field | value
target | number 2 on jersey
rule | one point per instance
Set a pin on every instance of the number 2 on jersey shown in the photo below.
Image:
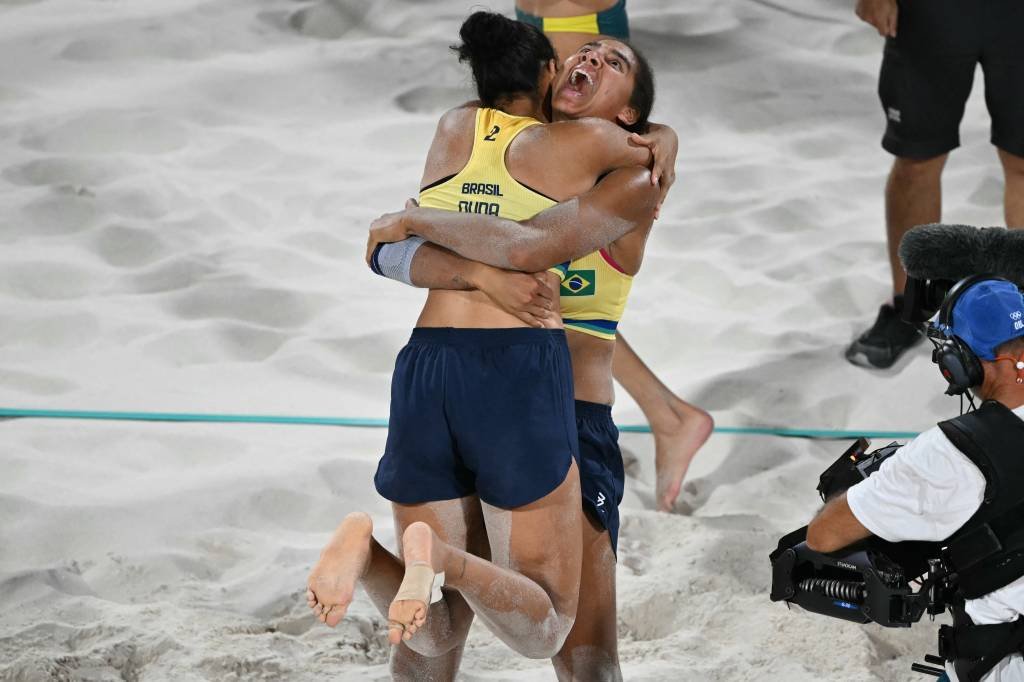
(490, 136)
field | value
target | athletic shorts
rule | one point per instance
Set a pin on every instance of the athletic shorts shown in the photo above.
(928, 70)
(602, 479)
(479, 411)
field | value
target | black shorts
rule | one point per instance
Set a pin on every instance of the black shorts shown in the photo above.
(602, 478)
(484, 411)
(928, 70)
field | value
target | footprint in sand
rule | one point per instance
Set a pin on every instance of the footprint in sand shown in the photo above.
(127, 247)
(276, 308)
(34, 384)
(135, 43)
(110, 132)
(66, 171)
(173, 275)
(63, 211)
(329, 19)
(432, 99)
(50, 332)
(47, 280)
(217, 342)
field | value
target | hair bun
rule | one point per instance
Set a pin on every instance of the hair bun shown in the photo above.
(487, 37)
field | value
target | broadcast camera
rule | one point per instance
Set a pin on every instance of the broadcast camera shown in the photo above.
(871, 581)
(937, 256)
(895, 584)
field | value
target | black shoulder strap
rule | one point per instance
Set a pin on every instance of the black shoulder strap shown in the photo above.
(988, 551)
(990, 429)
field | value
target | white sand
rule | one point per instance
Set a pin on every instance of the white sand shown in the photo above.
(184, 191)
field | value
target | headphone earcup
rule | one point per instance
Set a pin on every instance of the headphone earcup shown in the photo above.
(959, 366)
(974, 372)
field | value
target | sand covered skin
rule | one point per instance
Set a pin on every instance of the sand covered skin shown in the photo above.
(184, 194)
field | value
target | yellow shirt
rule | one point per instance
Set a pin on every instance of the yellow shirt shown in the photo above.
(484, 185)
(593, 295)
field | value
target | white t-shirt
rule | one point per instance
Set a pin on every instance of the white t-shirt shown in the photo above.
(926, 491)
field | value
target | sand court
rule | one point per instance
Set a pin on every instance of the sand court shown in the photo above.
(184, 195)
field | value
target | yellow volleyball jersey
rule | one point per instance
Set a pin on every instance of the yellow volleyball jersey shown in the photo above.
(593, 295)
(484, 185)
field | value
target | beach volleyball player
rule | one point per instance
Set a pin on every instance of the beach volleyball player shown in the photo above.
(593, 297)
(679, 428)
(483, 436)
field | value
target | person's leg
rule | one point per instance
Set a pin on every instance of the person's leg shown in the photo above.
(926, 77)
(679, 428)
(1003, 64)
(531, 607)
(353, 555)
(591, 651)
(913, 196)
(408, 666)
(1013, 198)
(460, 525)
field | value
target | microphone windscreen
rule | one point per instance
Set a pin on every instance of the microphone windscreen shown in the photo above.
(956, 251)
(939, 251)
(1002, 253)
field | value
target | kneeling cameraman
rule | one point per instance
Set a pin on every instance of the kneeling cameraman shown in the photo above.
(961, 483)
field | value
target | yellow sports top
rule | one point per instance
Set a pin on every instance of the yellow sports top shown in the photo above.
(593, 295)
(484, 185)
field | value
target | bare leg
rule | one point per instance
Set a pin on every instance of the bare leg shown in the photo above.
(343, 562)
(591, 651)
(408, 666)
(353, 555)
(1013, 199)
(679, 428)
(459, 524)
(531, 607)
(913, 196)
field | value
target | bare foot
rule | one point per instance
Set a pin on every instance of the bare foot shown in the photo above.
(674, 448)
(424, 555)
(344, 560)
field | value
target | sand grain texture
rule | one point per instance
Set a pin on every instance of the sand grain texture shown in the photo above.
(184, 193)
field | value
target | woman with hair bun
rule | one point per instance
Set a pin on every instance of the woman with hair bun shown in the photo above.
(480, 461)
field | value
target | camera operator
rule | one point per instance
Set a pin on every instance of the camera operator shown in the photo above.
(935, 490)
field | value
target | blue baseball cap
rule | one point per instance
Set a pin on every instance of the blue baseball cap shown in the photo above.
(987, 315)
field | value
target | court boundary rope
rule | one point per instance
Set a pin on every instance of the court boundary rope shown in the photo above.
(361, 422)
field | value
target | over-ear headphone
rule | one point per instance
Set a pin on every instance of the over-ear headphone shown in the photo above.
(959, 364)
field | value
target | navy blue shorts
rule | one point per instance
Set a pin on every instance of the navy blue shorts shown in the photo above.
(928, 71)
(479, 411)
(602, 479)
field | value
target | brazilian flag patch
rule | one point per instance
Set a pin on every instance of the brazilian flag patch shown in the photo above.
(578, 283)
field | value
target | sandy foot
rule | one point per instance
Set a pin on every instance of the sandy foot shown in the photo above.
(332, 582)
(675, 448)
(421, 548)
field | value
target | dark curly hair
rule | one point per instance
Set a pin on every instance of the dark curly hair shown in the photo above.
(506, 56)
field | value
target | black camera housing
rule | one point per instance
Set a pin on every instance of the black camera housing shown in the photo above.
(922, 298)
(868, 581)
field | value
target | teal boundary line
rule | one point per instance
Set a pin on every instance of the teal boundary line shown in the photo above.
(13, 413)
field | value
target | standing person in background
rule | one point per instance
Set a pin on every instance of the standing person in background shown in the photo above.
(679, 428)
(931, 50)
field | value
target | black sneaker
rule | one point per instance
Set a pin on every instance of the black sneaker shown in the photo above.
(888, 338)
